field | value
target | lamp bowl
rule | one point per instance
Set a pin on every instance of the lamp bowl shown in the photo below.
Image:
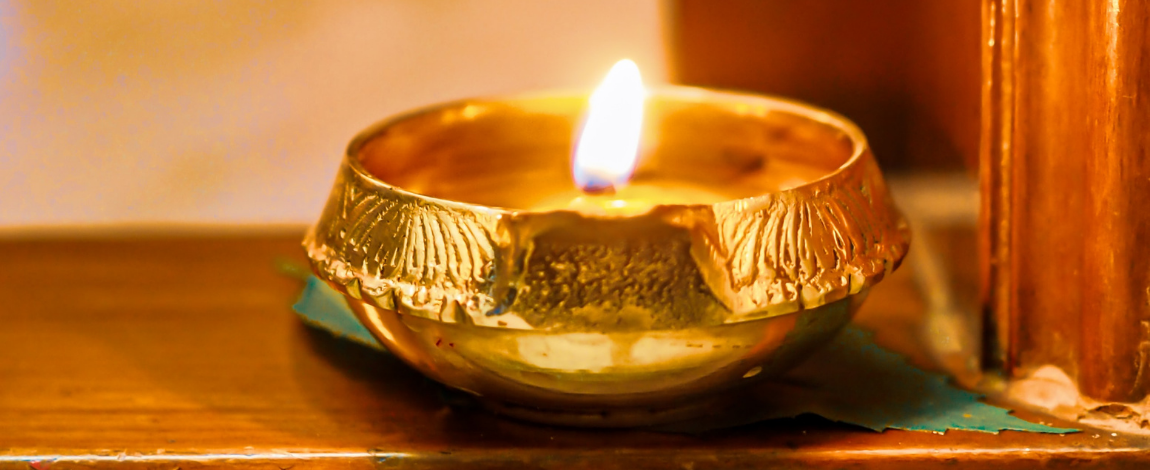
(433, 235)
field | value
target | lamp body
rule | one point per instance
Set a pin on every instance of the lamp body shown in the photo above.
(435, 235)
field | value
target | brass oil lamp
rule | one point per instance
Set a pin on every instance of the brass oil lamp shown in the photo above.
(698, 241)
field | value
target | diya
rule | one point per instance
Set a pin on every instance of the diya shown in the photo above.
(615, 290)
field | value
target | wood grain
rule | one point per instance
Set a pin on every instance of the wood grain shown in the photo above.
(168, 351)
(1066, 183)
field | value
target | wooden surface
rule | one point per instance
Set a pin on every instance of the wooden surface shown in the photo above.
(183, 352)
(1066, 159)
(907, 71)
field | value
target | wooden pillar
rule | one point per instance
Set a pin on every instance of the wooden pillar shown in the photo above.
(1065, 161)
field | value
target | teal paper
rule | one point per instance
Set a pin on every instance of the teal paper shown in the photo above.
(854, 375)
(324, 308)
(855, 381)
(851, 380)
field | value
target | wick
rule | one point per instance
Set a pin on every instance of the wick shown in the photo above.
(600, 189)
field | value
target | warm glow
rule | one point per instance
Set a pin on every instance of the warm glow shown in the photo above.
(609, 145)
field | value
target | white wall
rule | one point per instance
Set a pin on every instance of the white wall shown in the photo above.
(238, 111)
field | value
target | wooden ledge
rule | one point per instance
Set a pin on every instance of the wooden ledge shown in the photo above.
(182, 351)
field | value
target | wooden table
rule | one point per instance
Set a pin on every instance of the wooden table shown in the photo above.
(182, 352)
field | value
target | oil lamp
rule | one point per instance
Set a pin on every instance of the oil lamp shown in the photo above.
(697, 241)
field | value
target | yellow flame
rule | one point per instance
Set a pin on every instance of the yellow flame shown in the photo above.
(609, 145)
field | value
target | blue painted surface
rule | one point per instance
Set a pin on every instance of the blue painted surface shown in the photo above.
(851, 380)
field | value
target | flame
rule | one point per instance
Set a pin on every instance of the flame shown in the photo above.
(609, 145)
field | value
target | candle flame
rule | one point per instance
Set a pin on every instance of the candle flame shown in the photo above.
(609, 144)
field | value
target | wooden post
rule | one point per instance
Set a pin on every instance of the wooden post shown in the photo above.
(1065, 160)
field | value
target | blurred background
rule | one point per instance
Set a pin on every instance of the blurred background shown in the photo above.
(117, 113)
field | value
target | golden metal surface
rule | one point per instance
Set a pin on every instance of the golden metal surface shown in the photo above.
(583, 319)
